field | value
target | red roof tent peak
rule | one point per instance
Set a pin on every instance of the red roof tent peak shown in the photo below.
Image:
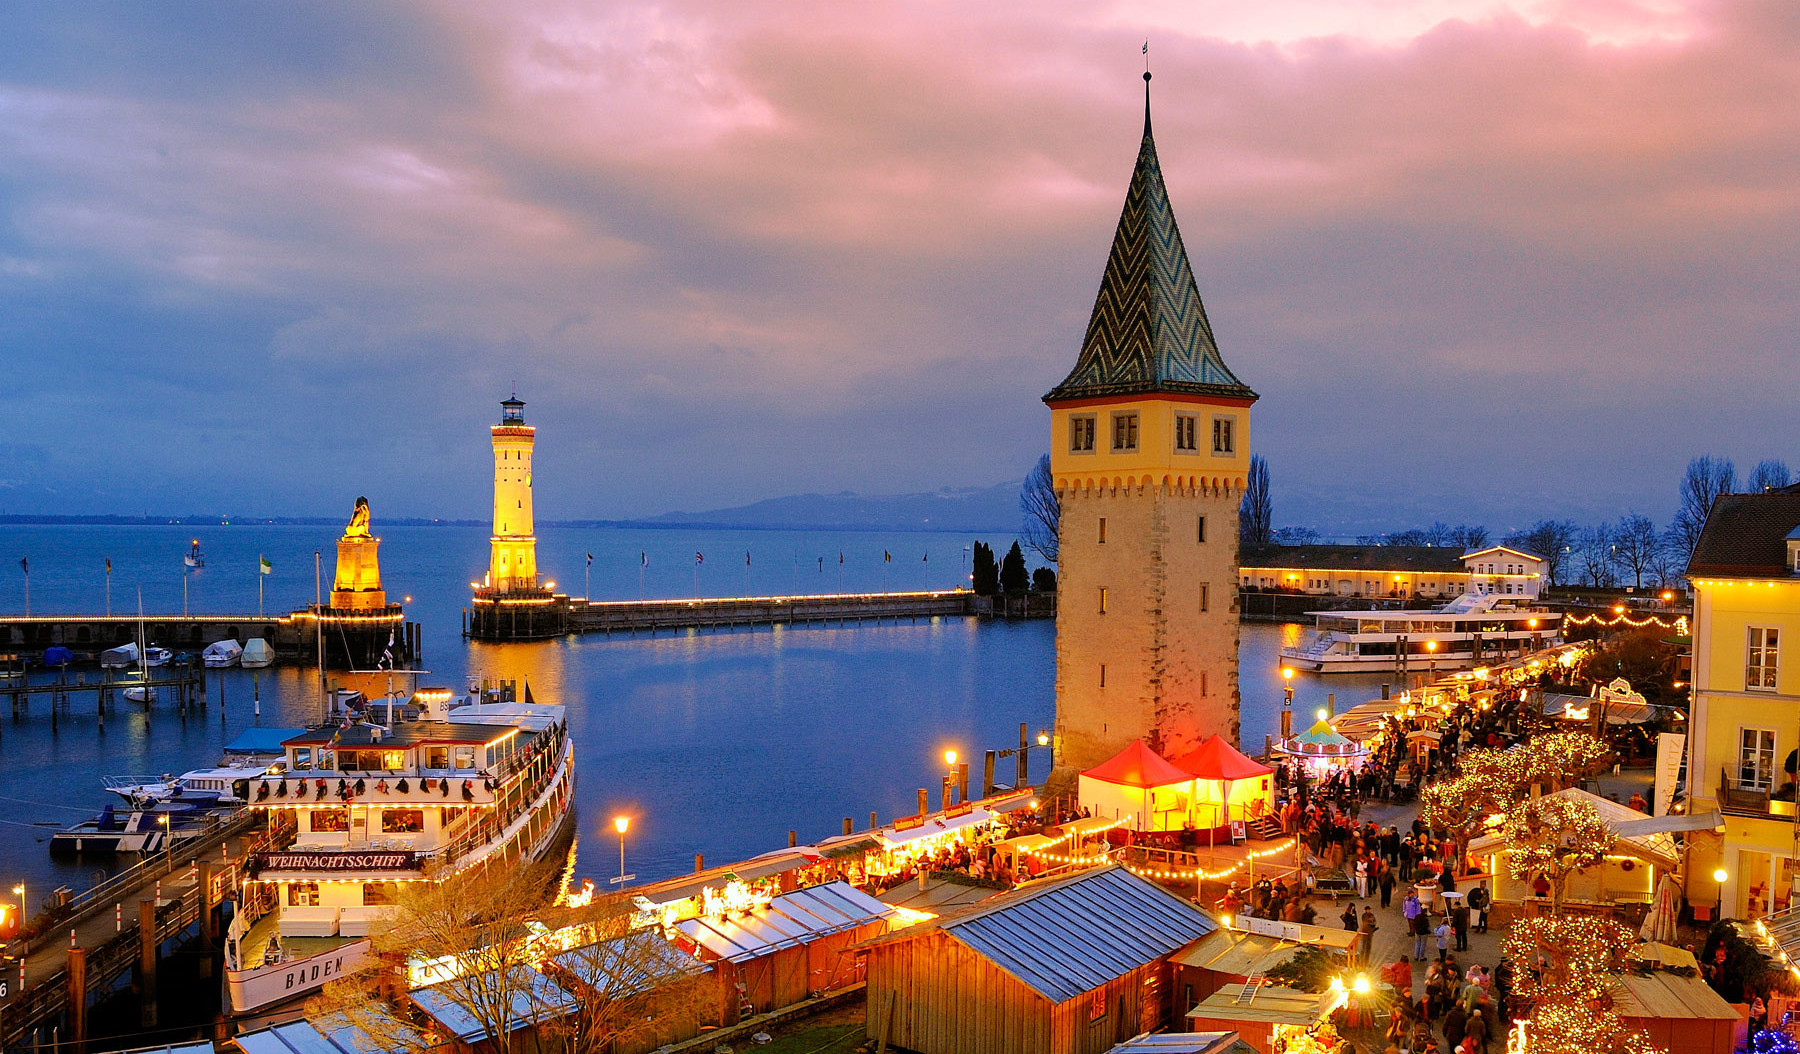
(1216, 759)
(1137, 766)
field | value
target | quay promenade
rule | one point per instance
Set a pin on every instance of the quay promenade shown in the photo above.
(538, 616)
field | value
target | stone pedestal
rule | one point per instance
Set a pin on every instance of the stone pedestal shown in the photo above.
(357, 586)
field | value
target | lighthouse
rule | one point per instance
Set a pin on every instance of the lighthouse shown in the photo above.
(512, 559)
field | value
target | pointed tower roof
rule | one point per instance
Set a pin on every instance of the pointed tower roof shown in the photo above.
(1149, 332)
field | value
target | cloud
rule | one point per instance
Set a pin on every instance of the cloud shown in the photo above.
(1480, 258)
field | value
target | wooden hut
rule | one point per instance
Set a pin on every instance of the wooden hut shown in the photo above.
(788, 950)
(1184, 1043)
(1263, 1015)
(1234, 955)
(1681, 1015)
(1069, 965)
(533, 999)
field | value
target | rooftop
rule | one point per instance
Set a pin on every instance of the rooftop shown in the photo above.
(1746, 535)
(1416, 559)
(1149, 332)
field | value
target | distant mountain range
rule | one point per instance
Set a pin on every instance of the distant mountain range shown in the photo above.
(994, 508)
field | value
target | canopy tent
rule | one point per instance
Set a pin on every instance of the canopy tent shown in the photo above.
(1224, 777)
(1322, 747)
(1138, 786)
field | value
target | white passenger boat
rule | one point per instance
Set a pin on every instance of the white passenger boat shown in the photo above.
(1473, 628)
(377, 805)
(222, 653)
(257, 654)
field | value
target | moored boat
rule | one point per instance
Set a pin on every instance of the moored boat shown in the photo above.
(437, 790)
(152, 829)
(257, 654)
(222, 653)
(1472, 629)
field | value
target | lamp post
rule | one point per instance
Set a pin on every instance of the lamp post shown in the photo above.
(1287, 701)
(621, 824)
(1719, 876)
(19, 891)
(1533, 623)
(949, 775)
(1431, 660)
(168, 846)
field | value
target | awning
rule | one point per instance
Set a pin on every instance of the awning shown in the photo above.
(534, 998)
(934, 826)
(1138, 766)
(788, 921)
(261, 740)
(1671, 824)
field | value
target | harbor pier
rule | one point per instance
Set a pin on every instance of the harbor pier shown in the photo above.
(80, 945)
(354, 638)
(536, 616)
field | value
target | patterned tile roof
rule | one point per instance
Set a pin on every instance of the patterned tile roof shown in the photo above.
(1149, 332)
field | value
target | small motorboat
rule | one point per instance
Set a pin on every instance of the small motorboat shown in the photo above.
(135, 690)
(224, 653)
(257, 753)
(257, 654)
(147, 830)
(119, 658)
(155, 656)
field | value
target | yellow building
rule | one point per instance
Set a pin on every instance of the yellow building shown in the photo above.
(512, 562)
(1746, 712)
(1150, 446)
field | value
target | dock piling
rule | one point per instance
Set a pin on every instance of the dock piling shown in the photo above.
(147, 963)
(77, 1005)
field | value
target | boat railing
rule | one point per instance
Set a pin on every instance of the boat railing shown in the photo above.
(515, 800)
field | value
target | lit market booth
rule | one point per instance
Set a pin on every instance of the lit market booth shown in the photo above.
(1628, 875)
(1272, 1019)
(794, 946)
(1251, 947)
(1322, 749)
(1664, 997)
(1137, 786)
(1224, 780)
(534, 1000)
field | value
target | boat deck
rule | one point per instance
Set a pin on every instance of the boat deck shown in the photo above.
(254, 949)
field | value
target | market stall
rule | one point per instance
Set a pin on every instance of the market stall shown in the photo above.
(1627, 876)
(1138, 786)
(1270, 1018)
(1227, 785)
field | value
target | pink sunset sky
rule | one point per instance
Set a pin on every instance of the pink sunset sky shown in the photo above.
(1484, 261)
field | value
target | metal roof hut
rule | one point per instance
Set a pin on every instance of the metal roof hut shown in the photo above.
(784, 952)
(1066, 966)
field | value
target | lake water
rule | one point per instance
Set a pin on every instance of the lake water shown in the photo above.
(717, 742)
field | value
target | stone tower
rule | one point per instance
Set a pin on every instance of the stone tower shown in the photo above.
(1150, 439)
(512, 561)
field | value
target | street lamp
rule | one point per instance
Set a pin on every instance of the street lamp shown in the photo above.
(19, 890)
(1431, 653)
(621, 824)
(1287, 701)
(1719, 876)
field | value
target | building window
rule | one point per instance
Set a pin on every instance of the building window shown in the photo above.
(1102, 530)
(1125, 428)
(1223, 442)
(1103, 675)
(1759, 674)
(1756, 758)
(1203, 684)
(1202, 533)
(1102, 600)
(1203, 596)
(1186, 433)
(1081, 434)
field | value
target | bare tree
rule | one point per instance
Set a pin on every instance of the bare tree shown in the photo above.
(1597, 552)
(1296, 536)
(1707, 477)
(1636, 543)
(1554, 540)
(1469, 536)
(1042, 511)
(1669, 560)
(1769, 474)
(1256, 516)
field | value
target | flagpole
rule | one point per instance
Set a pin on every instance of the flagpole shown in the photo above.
(184, 602)
(109, 588)
(643, 562)
(27, 570)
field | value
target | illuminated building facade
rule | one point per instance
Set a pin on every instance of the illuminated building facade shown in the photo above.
(1150, 447)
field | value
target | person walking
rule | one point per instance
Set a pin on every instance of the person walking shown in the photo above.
(1476, 1032)
(1386, 883)
(1459, 922)
(1443, 940)
(1478, 904)
(1368, 928)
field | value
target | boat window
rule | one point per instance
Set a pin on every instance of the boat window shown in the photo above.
(375, 893)
(1370, 625)
(303, 895)
(393, 760)
(300, 758)
(325, 821)
(402, 821)
(465, 757)
(437, 758)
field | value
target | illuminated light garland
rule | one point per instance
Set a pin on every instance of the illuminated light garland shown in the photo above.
(1041, 850)
(1204, 875)
(1680, 625)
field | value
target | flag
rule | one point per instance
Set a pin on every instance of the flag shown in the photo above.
(643, 559)
(590, 562)
(887, 557)
(25, 564)
(109, 565)
(821, 565)
(263, 565)
(387, 653)
(699, 557)
(925, 559)
(1146, 47)
(840, 556)
(746, 558)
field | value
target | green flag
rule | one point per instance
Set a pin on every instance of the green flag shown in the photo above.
(266, 567)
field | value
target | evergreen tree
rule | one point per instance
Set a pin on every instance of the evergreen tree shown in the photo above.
(1043, 580)
(1014, 579)
(986, 580)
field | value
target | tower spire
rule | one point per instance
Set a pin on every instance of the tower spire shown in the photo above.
(1146, 104)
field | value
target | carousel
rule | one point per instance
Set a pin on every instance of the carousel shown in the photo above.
(1322, 749)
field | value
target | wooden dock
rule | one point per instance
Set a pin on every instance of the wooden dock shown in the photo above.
(79, 947)
(540, 618)
(352, 639)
